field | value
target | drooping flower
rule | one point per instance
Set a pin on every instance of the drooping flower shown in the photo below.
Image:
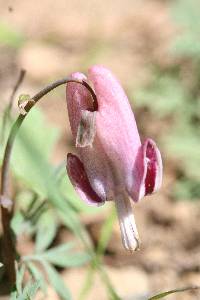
(111, 164)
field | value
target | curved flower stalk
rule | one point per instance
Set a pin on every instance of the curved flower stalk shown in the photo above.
(112, 164)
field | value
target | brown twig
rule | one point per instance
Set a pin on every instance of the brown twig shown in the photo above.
(7, 205)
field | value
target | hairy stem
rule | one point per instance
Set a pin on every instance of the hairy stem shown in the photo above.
(8, 249)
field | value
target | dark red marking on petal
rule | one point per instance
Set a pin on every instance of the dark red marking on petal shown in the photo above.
(78, 176)
(151, 169)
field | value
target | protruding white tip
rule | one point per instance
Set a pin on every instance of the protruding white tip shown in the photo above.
(129, 233)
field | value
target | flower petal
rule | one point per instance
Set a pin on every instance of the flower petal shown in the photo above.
(147, 171)
(116, 128)
(129, 233)
(154, 168)
(78, 100)
(79, 179)
(113, 106)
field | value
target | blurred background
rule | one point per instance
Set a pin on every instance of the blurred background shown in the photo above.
(153, 47)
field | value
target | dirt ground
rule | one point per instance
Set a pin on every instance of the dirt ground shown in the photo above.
(59, 37)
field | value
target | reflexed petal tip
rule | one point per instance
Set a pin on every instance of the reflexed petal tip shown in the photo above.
(152, 169)
(80, 181)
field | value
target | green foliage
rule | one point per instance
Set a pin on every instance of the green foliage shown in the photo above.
(163, 95)
(187, 189)
(10, 37)
(62, 256)
(57, 282)
(184, 143)
(30, 159)
(47, 229)
(27, 292)
(31, 155)
(186, 14)
(105, 235)
(38, 275)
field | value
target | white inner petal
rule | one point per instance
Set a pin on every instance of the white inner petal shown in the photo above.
(129, 233)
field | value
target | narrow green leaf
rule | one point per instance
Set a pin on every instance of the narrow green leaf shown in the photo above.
(19, 279)
(105, 235)
(56, 281)
(46, 232)
(89, 278)
(106, 280)
(56, 254)
(30, 290)
(30, 160)
(38, 276)
(67, 259)
(62, 256)
(59, 250)
(164, 294)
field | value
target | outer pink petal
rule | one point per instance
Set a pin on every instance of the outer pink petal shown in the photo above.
(147, 171)
(78, 98)
(79, 179)
(116, 126)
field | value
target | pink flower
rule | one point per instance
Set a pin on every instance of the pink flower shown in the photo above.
(112, 164)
